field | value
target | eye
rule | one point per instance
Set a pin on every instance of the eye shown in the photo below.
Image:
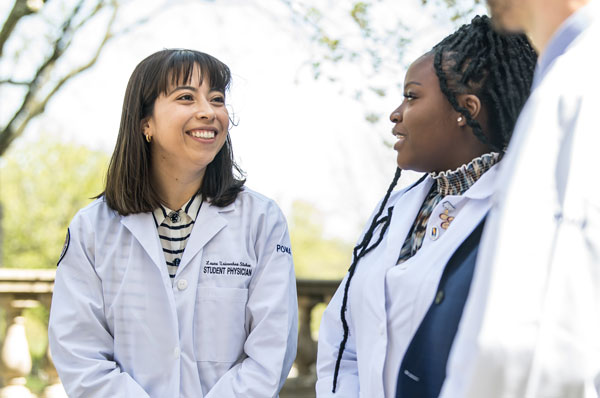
(186, 97)
(219, 99)
(409, 96)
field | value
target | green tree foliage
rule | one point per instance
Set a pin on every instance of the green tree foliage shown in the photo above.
(40, 53)
(42, 187)
(356, 43)
(315, 255)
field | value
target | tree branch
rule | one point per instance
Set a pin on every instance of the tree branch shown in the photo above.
(14, 83)
(19, 10)
(29, 107)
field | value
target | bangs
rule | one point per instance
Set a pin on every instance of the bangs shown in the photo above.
(179, 67)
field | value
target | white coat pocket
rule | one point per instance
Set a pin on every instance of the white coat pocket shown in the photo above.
(219, 323)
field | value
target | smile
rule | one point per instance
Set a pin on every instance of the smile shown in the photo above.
(400, 137)
(206, 134)
(398, 134)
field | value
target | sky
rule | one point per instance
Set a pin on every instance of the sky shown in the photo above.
(297, 138)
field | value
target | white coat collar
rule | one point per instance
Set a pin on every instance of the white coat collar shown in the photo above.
(406, 206)
(403, 217)
(208, 223)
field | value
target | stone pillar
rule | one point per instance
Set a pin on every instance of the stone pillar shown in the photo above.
(307, 347)
(16, 360)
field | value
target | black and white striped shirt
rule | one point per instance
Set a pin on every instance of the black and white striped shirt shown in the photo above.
(174, 229)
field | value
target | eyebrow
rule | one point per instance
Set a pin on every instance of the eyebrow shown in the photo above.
(412, 82)
(179, 88)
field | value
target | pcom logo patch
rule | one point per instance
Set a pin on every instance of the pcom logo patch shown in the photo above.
(283, 249)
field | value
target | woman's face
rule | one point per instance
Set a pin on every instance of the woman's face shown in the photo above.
(189, 126)
(430, 136)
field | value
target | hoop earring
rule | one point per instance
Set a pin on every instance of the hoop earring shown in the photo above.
(148, 138)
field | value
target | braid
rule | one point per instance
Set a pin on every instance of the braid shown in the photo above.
(474, 124)
(473, 60)
(498, 68)
(359, 251)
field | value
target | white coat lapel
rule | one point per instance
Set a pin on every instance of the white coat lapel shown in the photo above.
(208, 223)
(405, 210)
(143, 228)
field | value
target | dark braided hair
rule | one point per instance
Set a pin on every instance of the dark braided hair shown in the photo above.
(497, 68)
(475, 59)
(359, 251)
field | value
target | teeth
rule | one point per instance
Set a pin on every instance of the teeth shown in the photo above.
(202, 134)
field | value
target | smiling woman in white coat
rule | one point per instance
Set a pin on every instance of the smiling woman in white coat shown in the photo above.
(388, 330)
(177, 281)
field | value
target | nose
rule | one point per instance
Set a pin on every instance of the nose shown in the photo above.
(204, 110)
(396, 116)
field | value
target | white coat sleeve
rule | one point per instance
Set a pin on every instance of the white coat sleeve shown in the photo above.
(330, 337)
(80, 341)
(272, 310)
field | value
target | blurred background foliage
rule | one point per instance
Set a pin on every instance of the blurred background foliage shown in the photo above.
(43, 185)
(315, 255)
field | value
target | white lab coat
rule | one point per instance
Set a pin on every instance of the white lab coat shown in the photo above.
(119, 327)
(531, 324)
(362, 372)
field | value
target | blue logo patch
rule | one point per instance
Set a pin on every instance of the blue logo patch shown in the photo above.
(284, 249)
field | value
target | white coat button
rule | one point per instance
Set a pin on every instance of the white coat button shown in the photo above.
(176, 353)
(182, 284)
(439, 297)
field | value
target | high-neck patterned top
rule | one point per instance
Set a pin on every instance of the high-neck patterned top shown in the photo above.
(446, 183)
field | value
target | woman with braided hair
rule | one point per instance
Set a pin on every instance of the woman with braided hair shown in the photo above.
(388, 330)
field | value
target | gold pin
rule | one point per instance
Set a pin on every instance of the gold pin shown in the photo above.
(446, 219)
(435, 233)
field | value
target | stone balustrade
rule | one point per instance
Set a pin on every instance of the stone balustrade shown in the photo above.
(26, 288)
(21, 289)
(310, 293)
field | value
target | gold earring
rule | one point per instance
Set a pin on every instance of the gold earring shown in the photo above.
(148, 138)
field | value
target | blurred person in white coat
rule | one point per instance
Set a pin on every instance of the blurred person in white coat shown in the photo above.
(531, 326)
(177, 281)
(388, 329)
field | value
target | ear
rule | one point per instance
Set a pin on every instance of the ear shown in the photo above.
(145, 126)
(472, 103)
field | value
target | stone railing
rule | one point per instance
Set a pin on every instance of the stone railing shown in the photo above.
(310, 293)
(26, 288)
(21, 289)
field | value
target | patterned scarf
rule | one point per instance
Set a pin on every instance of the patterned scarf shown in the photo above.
(446, 183)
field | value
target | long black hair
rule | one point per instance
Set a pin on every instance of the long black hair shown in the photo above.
(475, 59)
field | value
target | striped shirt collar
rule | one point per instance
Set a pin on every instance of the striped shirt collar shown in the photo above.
(191, 208)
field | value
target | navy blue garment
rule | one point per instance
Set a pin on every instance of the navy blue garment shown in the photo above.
(423, 368)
